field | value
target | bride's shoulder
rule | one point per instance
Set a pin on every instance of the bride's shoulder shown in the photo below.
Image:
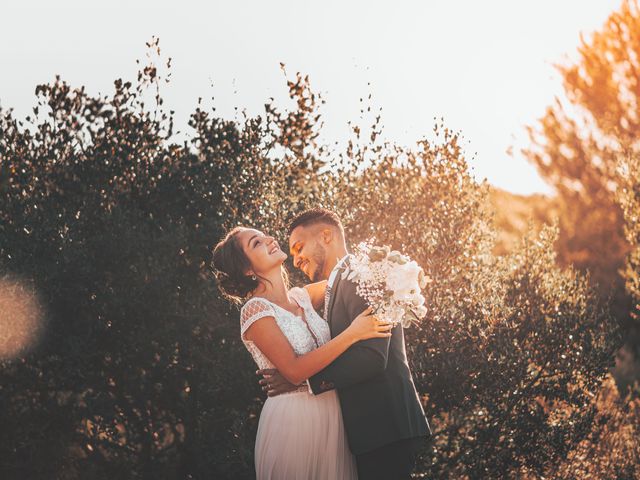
(255, 305)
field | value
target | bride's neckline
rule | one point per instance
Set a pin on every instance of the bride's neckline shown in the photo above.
(280, 307)
(301, 317)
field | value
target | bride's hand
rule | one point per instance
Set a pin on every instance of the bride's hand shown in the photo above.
(367, 326)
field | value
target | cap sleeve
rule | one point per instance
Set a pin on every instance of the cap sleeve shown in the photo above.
(254, 310)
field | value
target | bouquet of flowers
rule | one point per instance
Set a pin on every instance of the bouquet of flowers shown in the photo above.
(390, 282)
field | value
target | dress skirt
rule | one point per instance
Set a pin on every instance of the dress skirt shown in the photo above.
(302, 437)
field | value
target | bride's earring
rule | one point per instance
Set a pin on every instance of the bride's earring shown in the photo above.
(254, 278)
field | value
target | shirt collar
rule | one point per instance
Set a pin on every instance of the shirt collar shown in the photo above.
(338, 266)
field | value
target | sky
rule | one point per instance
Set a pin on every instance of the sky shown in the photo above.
(486, 68)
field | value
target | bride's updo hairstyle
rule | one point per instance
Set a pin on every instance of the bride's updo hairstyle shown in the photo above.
(230, 265)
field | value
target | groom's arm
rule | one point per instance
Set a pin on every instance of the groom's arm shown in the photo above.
(363, 360)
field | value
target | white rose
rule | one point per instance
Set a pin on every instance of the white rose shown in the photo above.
(403, 281)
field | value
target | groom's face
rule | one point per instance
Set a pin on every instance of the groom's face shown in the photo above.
(308, 252)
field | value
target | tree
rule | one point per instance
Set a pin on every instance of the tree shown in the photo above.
(629, 197)
(577, 144)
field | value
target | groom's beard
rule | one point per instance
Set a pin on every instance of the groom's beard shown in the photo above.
(317, 275)
(319, 258)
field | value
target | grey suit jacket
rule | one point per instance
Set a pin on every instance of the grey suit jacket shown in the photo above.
(379, 401)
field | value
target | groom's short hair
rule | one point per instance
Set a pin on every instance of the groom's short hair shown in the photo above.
(315, 216)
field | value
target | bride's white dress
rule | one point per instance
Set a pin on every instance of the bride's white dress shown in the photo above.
(300, 435)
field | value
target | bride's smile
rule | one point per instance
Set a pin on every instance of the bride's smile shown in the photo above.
(274, 249)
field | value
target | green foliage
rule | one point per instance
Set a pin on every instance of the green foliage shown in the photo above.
(629, 198)
(141, 372)
(513, 348)
(577, 143)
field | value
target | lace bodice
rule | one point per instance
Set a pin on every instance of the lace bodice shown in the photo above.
(294, 328)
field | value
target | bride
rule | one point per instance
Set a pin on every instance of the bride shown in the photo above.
(300, 436)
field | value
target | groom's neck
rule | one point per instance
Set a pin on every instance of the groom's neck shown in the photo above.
(334, 256)
(341, 251)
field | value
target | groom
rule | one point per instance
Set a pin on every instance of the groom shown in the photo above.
(383, 417)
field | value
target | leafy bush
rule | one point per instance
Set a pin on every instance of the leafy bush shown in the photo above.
(141, 373)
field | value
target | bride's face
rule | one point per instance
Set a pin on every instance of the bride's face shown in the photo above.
(262, 250)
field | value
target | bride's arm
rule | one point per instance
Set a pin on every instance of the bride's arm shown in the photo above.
(316, 293)
(268, 337)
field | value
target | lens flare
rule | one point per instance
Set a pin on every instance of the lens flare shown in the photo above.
(21, 318)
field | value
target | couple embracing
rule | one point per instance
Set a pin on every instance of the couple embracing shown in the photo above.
(341, 401)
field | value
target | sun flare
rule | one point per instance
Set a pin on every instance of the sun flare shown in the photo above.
(21, 318)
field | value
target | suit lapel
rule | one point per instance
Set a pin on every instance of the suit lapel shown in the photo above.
(333, 294)
(332, 299)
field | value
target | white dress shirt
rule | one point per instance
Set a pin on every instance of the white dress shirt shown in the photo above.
(330, 282)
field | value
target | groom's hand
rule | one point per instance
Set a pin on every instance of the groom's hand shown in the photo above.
(273, 383)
